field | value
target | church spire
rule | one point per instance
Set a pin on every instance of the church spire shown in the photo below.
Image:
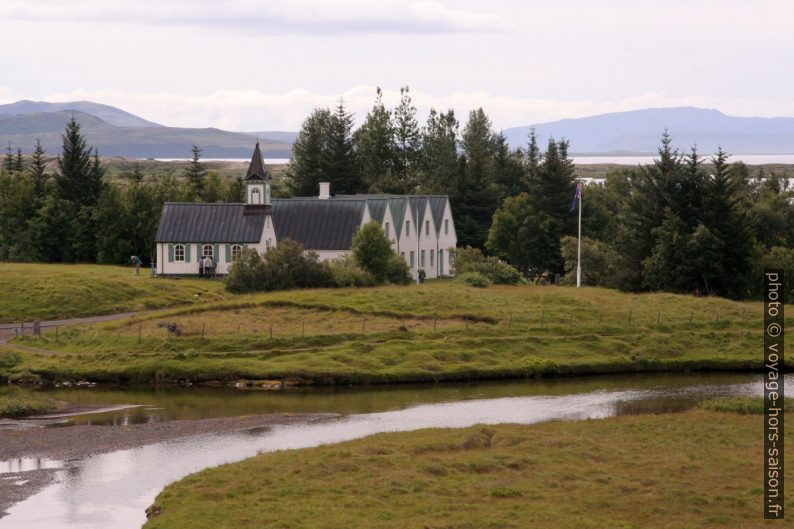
(257, 169)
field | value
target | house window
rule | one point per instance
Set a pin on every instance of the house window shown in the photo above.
(446, 226)
(427, 227)
(422, 259)
(206, 251)
(386, 229)
(412, 259)
(236, 251)
(432, 258)
(268, 244)
(255, 197)
(179, 253)
(407, 227)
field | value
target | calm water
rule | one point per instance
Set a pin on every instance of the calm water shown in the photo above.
(749, 159)
(112, 490)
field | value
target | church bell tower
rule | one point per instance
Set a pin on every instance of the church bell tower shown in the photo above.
(257, 184)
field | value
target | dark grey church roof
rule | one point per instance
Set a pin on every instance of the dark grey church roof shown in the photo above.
(197, 222)
(318, 224)
(257, 169)
(377, 208)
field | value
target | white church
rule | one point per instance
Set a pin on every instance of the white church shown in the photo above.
(420, 227)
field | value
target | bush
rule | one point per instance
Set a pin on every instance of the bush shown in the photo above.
(474, 279)
(494, 269)
(398, 272)
(346, 273)
(282, 268)
(372, 250)
(247, 273)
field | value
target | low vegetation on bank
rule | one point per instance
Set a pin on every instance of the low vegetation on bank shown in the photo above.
(652, 471)
(440, 330)
(55, 291)
(18, 402)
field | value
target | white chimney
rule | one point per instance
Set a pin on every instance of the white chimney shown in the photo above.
(325, 190)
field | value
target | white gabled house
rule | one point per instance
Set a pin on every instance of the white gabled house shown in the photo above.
(421, 227)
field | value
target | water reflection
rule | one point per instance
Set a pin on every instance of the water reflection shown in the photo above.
(111, 491)
(26, 464)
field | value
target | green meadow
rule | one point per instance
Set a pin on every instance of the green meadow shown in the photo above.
(440, 330)
(693, 469)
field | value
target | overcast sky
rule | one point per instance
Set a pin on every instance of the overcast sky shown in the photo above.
(263, 65)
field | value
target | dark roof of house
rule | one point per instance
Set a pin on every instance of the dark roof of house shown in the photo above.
(377, 208)
(318, 224)
(437, 206)
(257, 169)
(197, 222)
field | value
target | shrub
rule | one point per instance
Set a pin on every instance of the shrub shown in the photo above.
(372, 250)
(398, 272)
(494, 269)
(474, 279)
(247, 273)
(346, 273)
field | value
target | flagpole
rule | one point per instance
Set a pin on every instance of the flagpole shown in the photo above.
(579, 246)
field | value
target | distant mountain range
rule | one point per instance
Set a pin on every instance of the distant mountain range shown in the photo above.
(639, 131)
(118, 133)
(115, 132)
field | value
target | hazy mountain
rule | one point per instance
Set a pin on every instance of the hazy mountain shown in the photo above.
(638, 131)
(118, 133)
(107, 113)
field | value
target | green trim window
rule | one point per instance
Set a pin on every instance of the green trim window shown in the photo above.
(207, 251)
(237, 250)
(179, 253)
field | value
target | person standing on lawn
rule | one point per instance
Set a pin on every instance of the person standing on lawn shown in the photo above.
(136, 261)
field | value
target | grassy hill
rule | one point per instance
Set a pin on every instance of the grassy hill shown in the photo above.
(693, 469)
(55, 291)
(437, 331)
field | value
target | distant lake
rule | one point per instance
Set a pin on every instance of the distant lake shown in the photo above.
(273, 161)
(749, 159)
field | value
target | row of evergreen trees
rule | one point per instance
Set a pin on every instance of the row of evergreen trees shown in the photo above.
(391, 153)
(75, 215)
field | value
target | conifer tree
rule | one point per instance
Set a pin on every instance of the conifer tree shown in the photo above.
(338, 162)
(37, 169)
(439, 161)
(74, 175)
(8, 161)
(306, 165)
(374, 146)
(196, 172)
(407, 138)
(19, 161)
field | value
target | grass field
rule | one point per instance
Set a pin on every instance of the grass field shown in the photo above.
(437, 331)
(688, 470)
(18, 402)
(54, 291)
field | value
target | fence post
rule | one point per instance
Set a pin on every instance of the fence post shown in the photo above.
(363, 326)
(203, 327)
(510, 321)
(37, 328)
(271, 330)
(435, 319)
(542, 317)
(630, 317)
(658, 318)
(303, 326)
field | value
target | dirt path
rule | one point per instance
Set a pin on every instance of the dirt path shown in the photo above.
(9, 330)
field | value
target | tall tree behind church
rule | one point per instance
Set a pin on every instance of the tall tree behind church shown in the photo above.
(375, 148)
(306, 165)
(338, 161)
(475, 197)
(439, 161)
(408, 142)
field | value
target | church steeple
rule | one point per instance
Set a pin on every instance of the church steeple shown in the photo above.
(257, 169)
(257, 181)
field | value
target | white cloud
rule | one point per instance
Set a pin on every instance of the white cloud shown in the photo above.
(272, 17)
(250, 110)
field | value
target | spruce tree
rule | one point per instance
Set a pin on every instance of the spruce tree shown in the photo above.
(338, 162)
(8, 161)
(19, 162)
(439, 160)
(306, 165)
(509, 169)
(374, 146)
(196, 172)
(407, 139)
(74, 178)
(37, 169)
(474, 197)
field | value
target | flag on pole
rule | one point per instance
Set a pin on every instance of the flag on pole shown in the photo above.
(576, 197)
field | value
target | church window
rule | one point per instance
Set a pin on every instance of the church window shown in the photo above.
(255, 198)
(206, 251)
(179, 253)
(236, 251)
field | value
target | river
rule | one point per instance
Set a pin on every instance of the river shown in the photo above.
(111, 491)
